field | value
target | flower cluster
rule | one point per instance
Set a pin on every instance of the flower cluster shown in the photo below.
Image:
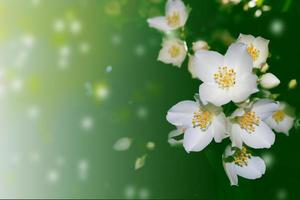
(238, 80)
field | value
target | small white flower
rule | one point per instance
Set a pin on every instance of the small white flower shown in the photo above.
(173, 51)
(176, 17)
(256, 47)
(269, 81)
(243, 164)
(200, 45)
(225, 78)
(248, 126)
(282, 120)
(201, 123)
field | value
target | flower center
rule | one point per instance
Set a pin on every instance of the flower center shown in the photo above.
(174, 51)
(278, 116)
(248, 121)
(254, 53)
(225, 77)
(202, 119)
(241, 158)
(173, 19)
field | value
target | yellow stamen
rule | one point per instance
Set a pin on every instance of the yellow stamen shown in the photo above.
(225, 77)
(254, 53)
(174, 51)
(249, 121)
(202, 119)
(173, 19)
(278, 116)
(241, 159)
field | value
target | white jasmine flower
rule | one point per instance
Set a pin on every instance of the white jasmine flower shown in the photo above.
(248, 126)
(269, 81)
(201, 123)
(173, 51)
(242, 163)
(176, 17)
(282, 120)
(256, 47)
(225, 78)
(200, 45)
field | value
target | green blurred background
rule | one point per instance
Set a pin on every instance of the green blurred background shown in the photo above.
(78, 75)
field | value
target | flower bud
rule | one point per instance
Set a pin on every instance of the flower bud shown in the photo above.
(269, 81)
(264, 68)
(293, 84)
(200, 45)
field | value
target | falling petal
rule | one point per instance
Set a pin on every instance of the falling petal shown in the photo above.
(150, 145)
(122, 144)
(140, 162)
(108, 69)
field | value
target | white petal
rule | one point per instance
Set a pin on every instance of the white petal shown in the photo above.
(218, 127)
(237, 57)
(211, 93)
(235, 136)
(122, 144)
(159, 23)
(238, 112)
(177, 6)
(262, 137)
(228, 151)
(230, 172)
(262, 45)
(206, 64)
(182, 113)
(171, 140)
(245, 39)
(264, 108)
(254, 169)
(191, 67)
(195, 139)
(244, 87)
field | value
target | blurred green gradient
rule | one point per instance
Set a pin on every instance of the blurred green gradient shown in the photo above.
(77, 75)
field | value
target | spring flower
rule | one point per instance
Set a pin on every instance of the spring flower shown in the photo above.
(173, 51)
(256, 47)
(242, 163)
(248, 126)
(201, 123)
(225, 78)
(269, 81)
(176, 17)
(282, 120)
